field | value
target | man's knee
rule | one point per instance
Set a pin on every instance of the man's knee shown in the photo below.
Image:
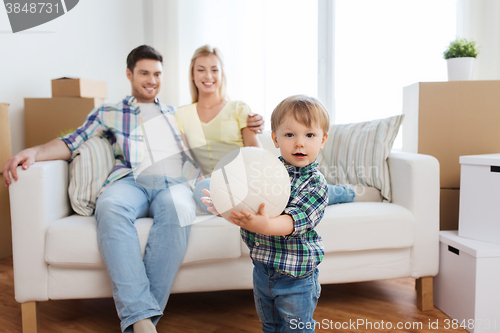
(185, 213)
(109, 207)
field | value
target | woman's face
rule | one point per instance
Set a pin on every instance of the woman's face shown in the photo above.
(207, 74)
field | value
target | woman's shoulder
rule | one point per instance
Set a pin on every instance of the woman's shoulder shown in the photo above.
(237, 105)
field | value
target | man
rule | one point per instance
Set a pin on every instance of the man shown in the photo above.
(141, 287)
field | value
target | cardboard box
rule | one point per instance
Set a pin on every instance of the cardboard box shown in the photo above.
(5, 230)
(467, 287)
(72, 87)
(5, 140)
(479, 192)
(46, 118)
(451, 119)
(449, 207)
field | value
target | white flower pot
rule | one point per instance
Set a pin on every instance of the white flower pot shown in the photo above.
(460, 69)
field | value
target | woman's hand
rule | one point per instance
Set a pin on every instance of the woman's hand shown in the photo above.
(255, 122)
(209, 203)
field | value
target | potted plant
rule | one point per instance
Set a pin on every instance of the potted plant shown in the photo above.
(460, 56)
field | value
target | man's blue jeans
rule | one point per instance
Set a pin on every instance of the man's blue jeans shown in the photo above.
(141, 287)
(285, 303)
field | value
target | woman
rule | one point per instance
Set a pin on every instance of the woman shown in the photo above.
(213, 124)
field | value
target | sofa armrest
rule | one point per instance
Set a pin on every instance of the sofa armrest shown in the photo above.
(415, 186)
(37, 198)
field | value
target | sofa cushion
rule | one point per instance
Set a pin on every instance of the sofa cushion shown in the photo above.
(361, 226)
(90, 166)
(72, 241)
(357, 153)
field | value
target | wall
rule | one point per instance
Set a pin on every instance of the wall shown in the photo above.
(480, 20)
(91, 41)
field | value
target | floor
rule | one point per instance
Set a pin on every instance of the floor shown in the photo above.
(379, 306)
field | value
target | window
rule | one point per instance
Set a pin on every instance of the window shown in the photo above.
(277, 54)
(270, 48)
(382, 46)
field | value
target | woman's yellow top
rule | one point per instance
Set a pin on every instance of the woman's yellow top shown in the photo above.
(211, 141)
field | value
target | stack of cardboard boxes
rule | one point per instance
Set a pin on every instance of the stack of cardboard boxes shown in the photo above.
(448, 120)
(72, 100)
(45, 119)
(467, 287)
(5, 154)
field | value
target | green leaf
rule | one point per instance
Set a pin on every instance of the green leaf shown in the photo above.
(460, 48)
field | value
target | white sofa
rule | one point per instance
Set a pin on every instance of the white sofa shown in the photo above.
(56, 254)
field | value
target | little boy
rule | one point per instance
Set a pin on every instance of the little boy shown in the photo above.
(286, 250)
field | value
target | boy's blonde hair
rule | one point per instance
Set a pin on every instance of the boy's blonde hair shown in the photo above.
(204, 51)
(306, 110)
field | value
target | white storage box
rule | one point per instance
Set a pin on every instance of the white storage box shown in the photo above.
(467, 287)
(480, 198)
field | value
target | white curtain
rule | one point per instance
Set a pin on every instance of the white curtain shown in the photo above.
(269, 47)
(480, 20)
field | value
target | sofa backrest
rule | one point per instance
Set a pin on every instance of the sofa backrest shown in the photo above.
(267, 142)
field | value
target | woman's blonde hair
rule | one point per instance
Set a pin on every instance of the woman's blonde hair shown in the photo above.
(203, 51)
(306, 110)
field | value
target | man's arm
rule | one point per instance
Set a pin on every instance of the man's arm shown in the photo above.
(255, 122)
(53, 150)
(250, 138)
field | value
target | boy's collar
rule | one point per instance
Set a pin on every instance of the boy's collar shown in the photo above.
(300, 170)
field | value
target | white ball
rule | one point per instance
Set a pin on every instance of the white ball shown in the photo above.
(247, 177)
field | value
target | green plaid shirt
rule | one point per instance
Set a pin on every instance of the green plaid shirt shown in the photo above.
(301, 251)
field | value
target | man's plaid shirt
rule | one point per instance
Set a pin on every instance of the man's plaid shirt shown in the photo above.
(122, 124)
(301, 251)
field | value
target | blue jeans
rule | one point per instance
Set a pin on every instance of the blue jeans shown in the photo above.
(198, 194)
(285, 303)
(336, 194)
(340, 194)
(141, 287)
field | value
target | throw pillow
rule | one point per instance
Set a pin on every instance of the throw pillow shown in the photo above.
(357, 153)
(91, 164)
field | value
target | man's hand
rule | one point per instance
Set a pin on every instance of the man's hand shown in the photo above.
(25, 158)
(53, 150)
(255, 122)
(209, 203)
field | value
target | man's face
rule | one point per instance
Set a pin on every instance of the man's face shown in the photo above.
(146, 80)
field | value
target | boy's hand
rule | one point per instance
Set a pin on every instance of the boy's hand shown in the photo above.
(259, 223)
(209, 203)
